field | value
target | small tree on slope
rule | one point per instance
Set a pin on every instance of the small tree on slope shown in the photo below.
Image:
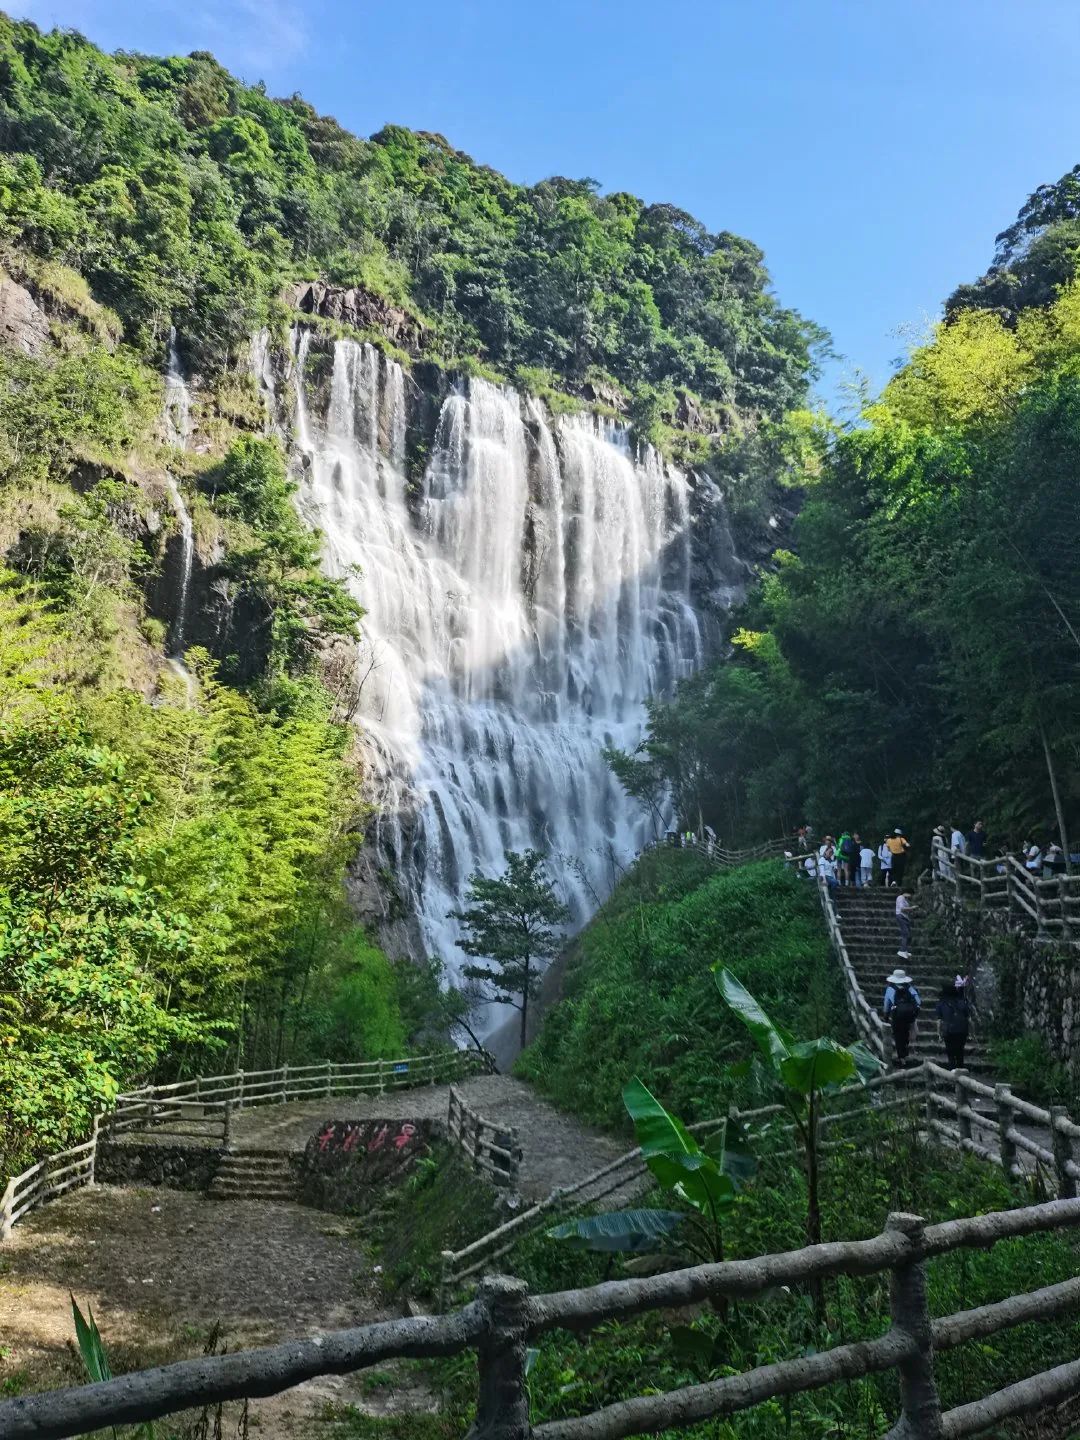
(509, 921)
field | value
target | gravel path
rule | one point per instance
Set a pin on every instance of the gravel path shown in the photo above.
(557, 1148)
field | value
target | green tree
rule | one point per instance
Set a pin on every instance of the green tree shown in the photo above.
(509, 921)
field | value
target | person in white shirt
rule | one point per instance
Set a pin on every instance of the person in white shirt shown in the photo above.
(884, 856)
(957, 841)
(827, 867)
(1033, 859)
(866, 866)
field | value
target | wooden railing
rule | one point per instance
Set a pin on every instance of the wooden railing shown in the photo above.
(505, 1319)
(1004, 882)
(722, 857)
(870, 1028)
(492, 1150)
(202, 1109)
(627, 1173)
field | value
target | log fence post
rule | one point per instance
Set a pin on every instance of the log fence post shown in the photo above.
(502, 1401)
(94, 1133)
(1063, 1152)
(1005, 1118)
(329, 1080)
(284, 1083)
(240, 1096)
(227, 1126)
(919, 1397)
(7, 1206)
(963, 1122)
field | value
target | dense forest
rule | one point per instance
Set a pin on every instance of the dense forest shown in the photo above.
(173, 848)
(914, 656)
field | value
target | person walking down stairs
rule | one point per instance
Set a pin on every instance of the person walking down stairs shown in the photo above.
(904, 911)
(901, 1009)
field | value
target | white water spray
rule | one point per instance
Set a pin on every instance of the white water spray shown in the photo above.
(522, 606)
(176, 419)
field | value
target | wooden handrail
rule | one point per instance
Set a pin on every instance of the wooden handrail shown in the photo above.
(504, 1317)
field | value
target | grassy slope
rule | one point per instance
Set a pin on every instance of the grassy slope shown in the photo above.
(639, 996)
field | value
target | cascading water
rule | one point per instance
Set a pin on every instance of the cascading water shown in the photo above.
(176, 421)
(522, 604)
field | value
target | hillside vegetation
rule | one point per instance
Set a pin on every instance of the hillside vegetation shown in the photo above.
(639, 996)
(915, 657)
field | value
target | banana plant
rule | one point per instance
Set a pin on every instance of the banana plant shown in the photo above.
(806, 1070)
(706, 1178)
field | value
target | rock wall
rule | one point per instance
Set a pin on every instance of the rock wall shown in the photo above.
(177, 1167)
(1022, 984)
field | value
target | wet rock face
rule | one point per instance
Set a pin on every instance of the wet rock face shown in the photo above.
(359, 308)
(23, 326)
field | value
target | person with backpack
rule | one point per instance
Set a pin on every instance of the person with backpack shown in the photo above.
(847, 852)
(898, 849)
(901, 1007)
(954, 1015)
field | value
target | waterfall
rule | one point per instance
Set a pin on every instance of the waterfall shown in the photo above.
(176, 421)
(523, 601)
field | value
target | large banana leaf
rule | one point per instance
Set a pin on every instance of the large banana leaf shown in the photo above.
(673, 1155)
(774, 1042)
(814, 1064)
(624, 1232)
(729, 1146)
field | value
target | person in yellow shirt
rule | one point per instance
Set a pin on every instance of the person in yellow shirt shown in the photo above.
(898, 848)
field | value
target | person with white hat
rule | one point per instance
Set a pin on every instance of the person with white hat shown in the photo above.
(901, 1007)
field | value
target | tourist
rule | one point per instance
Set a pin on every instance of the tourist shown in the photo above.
(901, 1007)
(847, 853)
(954, 1013)
(898, 848)
(1033, 859)
(826, 844)
(810, 865)
(866, 865)
(976, 841)
(904, 909)
(1053, 862)
(827, 867)
(884, 856)
(957, 840)
(939, 848)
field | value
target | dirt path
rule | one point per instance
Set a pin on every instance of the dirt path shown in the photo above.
(557, 1148)
(161, 1268)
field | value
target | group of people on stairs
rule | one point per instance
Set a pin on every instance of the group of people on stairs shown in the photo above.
(851, 860)
(902, 1008)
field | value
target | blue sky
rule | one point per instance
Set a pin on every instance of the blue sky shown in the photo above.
(873, 148)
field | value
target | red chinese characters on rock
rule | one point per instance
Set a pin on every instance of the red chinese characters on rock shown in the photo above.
(364, 1137)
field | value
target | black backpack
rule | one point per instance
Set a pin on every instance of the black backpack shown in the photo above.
(848, 848)
(904, 1008)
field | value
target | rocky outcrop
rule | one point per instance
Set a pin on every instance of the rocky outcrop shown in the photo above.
(23, 325)
(359, 308)
(600, 392)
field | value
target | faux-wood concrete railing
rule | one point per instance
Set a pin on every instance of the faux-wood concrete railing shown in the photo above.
(203, 1108)
(1004, 882)
(505, 1318)
(491, 1149)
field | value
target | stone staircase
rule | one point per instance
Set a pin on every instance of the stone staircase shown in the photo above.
(868, 924)
(255, 1175)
